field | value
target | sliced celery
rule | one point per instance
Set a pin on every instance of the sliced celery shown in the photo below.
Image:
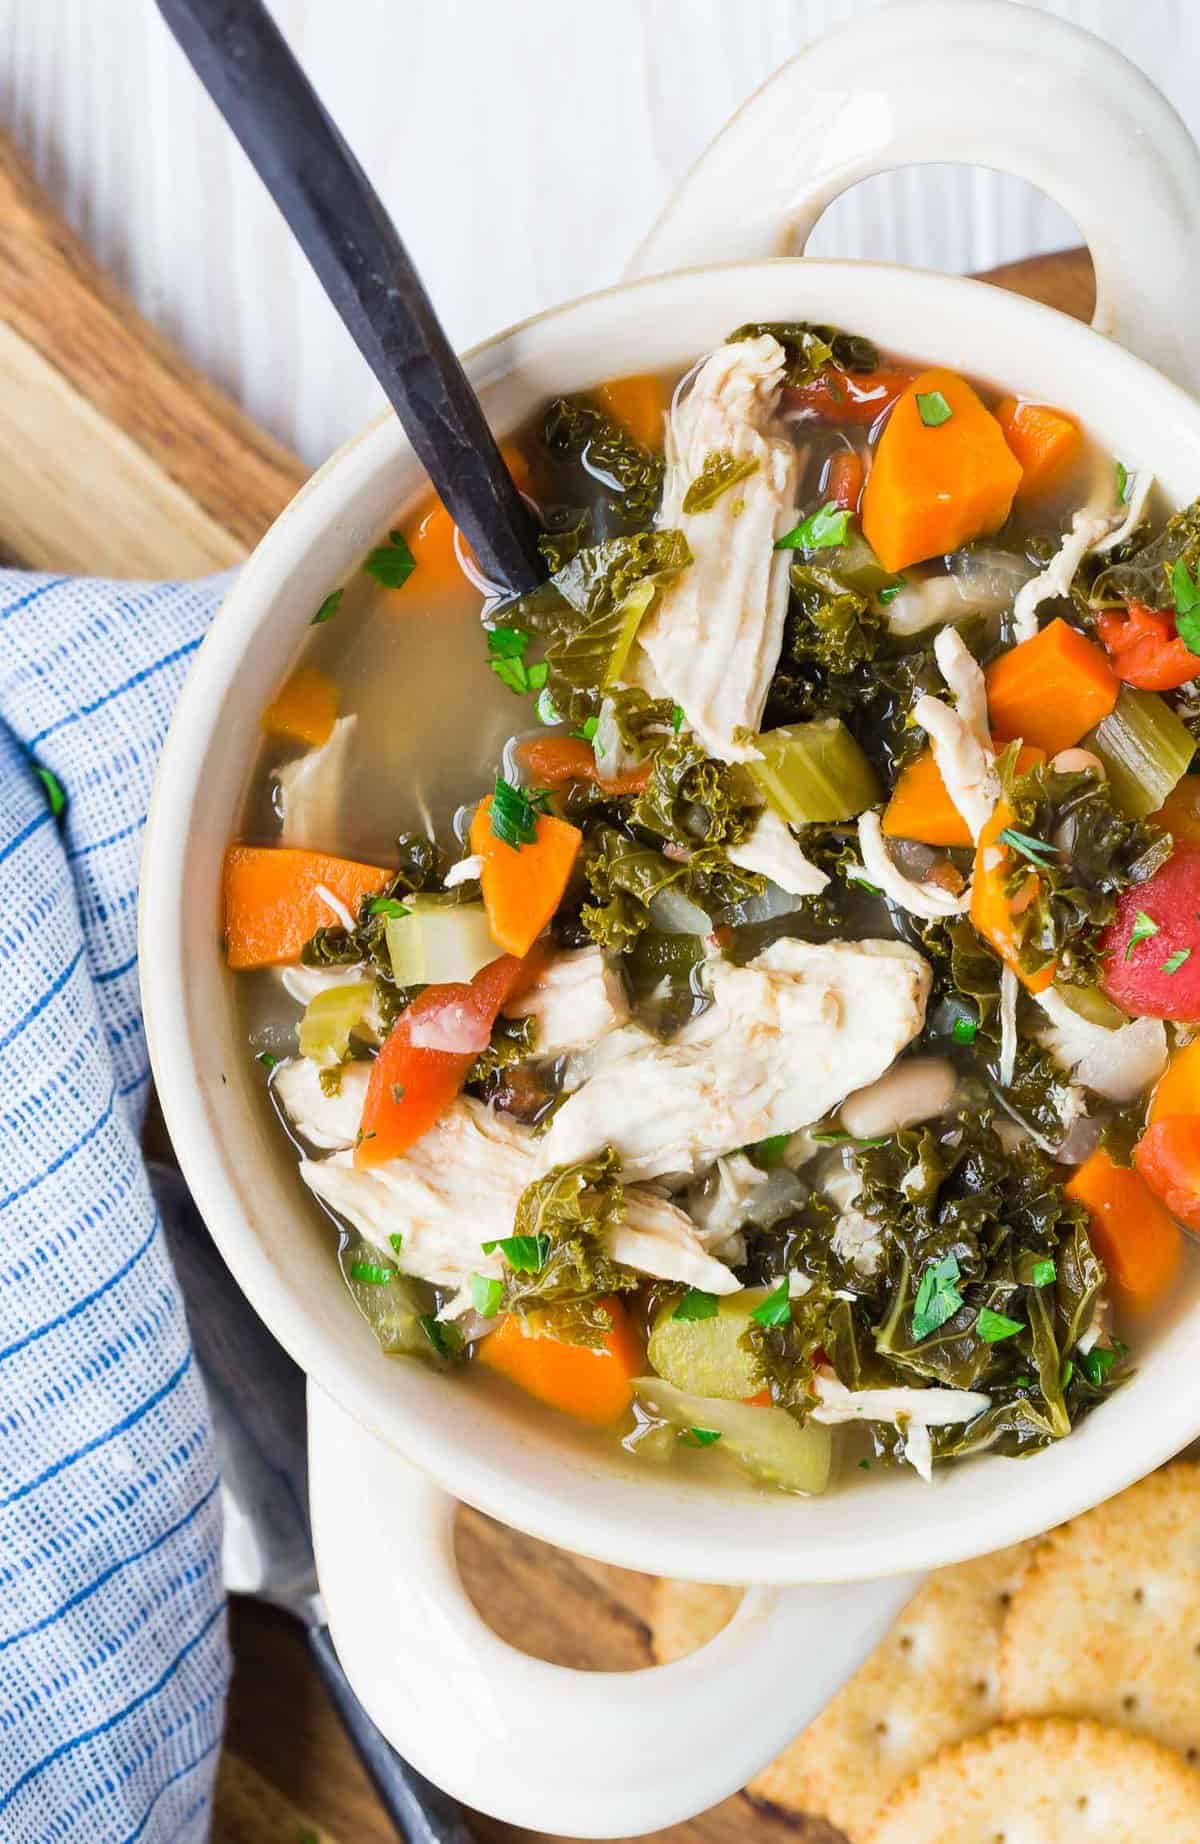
(329, 1019)
(630, 615)
(439, 942)
(771, 1445)
(1144, 747)
(815, 771)
(705, 1356)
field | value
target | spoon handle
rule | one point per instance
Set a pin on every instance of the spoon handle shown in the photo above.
(340, 223)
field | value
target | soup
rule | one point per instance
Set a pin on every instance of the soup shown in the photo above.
(740, 994)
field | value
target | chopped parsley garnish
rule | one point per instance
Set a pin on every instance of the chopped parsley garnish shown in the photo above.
(822, 530)
(486, 1295)
(677, 718)
(1143, 927)
(370, 1274)
(993, 1326)
(396, 1240)
(933, 409)
(527, 1254)
(776, 1309)
(964, 1030)
(859, 877)
(1174, 961)
(1044, 1272)
(1122, 483)
(392, 563)
(1068, 1371)
(587, 729)
(54, 789)
(864, 1466)
(515, 811)
(1038, 851)
(387, 906)
(890, 593)
(699, 1437)
(507, 647)
(696, 1304)
(268, 1061)
(1098, 1363)
(770, 1151)
(445, 1339)
(1186, 590)
(506, 641)
(938, 1298)
(328, 608)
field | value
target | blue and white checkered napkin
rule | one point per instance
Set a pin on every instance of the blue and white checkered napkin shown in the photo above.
(113, 1652)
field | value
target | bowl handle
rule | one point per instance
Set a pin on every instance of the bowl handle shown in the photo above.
(978, 81)
(590, 1754)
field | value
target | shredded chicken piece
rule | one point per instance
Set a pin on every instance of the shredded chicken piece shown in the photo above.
(464, 872)
(786, 1039)
(658, 1238)
(1090, 526)
(771, 849)
(907, 1409)
(327, 1120)
(1139, 486)
(1010, 988)
(575, 1002)
(718, 1207)
(961, 738)
(927, 900)
(712, 641)
(310, 791)
(1119, 1064)
(858, 1240)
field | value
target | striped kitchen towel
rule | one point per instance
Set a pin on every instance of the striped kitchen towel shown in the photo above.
(113, 1651)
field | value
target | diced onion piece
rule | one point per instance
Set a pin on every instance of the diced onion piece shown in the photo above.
(673, 913)
(329, 1019)
(439, 944)
(814, 772)
(1145, 749)
(768, 1442)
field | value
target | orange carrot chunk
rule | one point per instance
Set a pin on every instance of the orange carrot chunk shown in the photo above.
(554, 760)
(272, 900)
(1047, 443)
(523, 885)
(430, 536)
(993, 911)
(425, 1057)
(1144, 647)
(639, 404)
(942, 473)
(921, 808)
(1168, 1157)
(1052, 689)
(1129, 1229)
(593, 1385)
(304, 709)
(1178, 1091)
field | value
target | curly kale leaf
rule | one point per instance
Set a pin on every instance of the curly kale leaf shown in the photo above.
(591, 606)
(625, 875)
(810, 347)
(565, 532)
(575, 430)
(692, 800)
(833, 625)
(1071, 847)
(1144, 575)
(567, 1216)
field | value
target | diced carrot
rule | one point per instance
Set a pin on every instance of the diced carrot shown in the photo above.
(935, 484)
(1047, 443)
(1145, 649)
(304, 709)
(639, 404)
(1178, 1091)
(553, 760)
(921, 808)
(1168, 1157)
(430, 537)
(523, 885)
(838, 396)
(1180, 812)
(1129, 1229)
(414, 1080)
(273, 902)
(762, 1399)
(844, 479)
(1052, 689)
(993, 911)
(592, 1385)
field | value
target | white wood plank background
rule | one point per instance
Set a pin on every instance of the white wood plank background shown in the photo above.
(523, 146)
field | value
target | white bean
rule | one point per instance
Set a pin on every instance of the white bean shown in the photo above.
(1078, 762)
(913, 1090)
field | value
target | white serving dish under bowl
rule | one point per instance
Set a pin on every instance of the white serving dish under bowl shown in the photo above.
(394, 1445)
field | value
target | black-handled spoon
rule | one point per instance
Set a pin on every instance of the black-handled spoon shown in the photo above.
(339, 222)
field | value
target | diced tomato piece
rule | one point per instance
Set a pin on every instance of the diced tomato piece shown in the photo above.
(838, 396)
(1159, 975)
(426, 1056)
(1168, 1158)
(553, 760)
(1145, 649)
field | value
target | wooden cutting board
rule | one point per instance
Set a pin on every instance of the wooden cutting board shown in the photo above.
(117, 458)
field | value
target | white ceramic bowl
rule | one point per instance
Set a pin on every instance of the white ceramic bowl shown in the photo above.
(591, 1754)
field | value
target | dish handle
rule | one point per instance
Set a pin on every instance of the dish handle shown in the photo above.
(589, 1754)
(982, 82)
